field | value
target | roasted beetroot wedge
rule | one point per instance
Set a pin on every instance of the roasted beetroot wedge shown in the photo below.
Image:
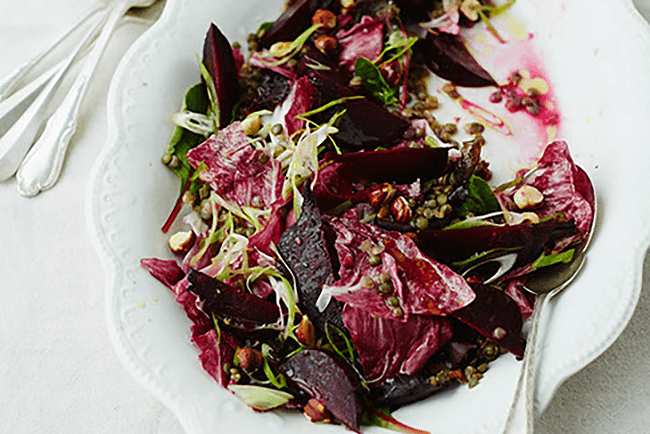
(447, 56)
(496, 316)
(328, 380)
(220, 63)
(241, 310)
(400, 165)
(449, 245)
(403, 390)
(303, 247)
(365, 124)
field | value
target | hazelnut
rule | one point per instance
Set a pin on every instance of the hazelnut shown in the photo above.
(381, 194)
(251, 125)
(181, 242)
(325, 18)
(326, 44)
(316, 412)
(401, 210)
(249, 359)
(306, 333)
(528, 197)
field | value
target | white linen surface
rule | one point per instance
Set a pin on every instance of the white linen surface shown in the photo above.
(58, 372)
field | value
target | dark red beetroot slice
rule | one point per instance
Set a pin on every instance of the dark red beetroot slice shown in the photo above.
(324, 377)
(447, 56)
(295, 19)
(449, 245)
(243, 310)
(303, 247)
(399, 165)
(220, 63)
(403, 390)
(365, 124)
(496, 316)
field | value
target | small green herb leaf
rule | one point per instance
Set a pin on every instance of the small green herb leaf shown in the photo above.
(557, 258)
(480, 199)
(373, 81)
(383, 419)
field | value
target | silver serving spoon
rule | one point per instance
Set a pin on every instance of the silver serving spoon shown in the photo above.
(545, 285)
(42, 165)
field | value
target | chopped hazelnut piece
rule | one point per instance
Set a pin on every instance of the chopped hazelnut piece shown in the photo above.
(181, 242)
(528, 197)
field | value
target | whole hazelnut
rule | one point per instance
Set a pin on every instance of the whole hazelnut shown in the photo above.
(306, 333)
(401, 210)
(249, 359)
(181, 242)
(326, 44)
(325, 18)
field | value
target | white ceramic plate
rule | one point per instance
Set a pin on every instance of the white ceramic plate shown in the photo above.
(597, 55)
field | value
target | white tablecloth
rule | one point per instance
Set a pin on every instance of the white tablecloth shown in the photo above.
(58, 372)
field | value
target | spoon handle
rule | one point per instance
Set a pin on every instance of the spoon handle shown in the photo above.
(525, 391)
(8, 84)
(41, 168)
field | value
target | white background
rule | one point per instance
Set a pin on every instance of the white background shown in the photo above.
(58, 372)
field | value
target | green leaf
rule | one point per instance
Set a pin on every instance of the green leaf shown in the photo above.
(480, 199)
(333, 334)
(482, 257)
(213, 111)
(260, 398)
(557, 258)
(264, 27)
(373, 81)
(383, 419)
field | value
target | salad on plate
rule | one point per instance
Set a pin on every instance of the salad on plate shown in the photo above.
(344, 250)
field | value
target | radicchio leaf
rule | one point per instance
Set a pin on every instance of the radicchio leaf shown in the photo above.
(220, 62)
(301, 99)
(168, 272)
(327, 379)
(496, 316)
(365, 39)
(235, 170)
(566, 188)
(217, 349)
(421, 285)
(387, 347)
(447, 56)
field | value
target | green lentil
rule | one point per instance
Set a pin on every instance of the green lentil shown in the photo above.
(385, 288)
(374, 260)
(277, 129)
(392, 301)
